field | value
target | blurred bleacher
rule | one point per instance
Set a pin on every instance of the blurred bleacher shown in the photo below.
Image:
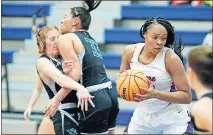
(113, 29)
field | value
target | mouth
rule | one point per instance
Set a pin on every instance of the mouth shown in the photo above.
(157, 49)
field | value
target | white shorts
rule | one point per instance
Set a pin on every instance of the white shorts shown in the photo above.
(172, 120)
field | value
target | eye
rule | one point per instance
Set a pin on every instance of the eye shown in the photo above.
(52, 39)
(154, 37)
(164, 38)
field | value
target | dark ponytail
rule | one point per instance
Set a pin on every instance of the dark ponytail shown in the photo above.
(84, 14)
(92, 4)
(170, 42)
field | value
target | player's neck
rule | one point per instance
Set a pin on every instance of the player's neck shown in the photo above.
(200, 89)
(147, 54)
(53, 56)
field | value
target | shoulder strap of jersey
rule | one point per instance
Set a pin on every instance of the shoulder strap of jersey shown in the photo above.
(209, 95)
(137, 52)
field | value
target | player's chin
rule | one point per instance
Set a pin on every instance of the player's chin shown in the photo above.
(56, 51)
(156, 50)
(62, 31)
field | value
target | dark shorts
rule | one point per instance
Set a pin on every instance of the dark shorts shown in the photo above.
(114, 109)
(103, 116)
(70, 127)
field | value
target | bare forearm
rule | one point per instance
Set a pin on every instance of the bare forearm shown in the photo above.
(174, 97)
(67, 82)
(34, 98)
(62, 94)
(75, 75)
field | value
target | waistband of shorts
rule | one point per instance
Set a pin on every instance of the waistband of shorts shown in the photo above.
(106, 132)
(100, 86)
(67, 106)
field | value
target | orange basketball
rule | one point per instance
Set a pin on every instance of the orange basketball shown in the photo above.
(129, 82)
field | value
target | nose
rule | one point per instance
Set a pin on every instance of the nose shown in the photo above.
(61, 24)
(62, 21)
(56, 43)
(159, 42)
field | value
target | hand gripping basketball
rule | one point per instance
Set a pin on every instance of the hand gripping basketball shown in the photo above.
(129, 82)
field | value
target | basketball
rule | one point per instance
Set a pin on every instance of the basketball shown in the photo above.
(129, 82)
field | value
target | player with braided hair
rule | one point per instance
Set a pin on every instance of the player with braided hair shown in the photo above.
(162, 109)
(76, 44)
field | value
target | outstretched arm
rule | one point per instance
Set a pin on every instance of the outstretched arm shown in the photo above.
(35, 95)
(45, 67)
(48, 70)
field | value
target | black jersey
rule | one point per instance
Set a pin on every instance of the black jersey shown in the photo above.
(52, 88)
(92, 63)
(209, 95)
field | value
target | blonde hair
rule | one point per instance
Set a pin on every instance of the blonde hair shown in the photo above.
(41, 36)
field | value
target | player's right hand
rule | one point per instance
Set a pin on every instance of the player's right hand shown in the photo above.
(83, 98)
(27, 113)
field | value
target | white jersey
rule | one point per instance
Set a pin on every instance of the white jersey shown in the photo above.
(157, 74)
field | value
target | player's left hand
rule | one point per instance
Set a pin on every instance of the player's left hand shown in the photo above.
(51, 107)
(149, 93)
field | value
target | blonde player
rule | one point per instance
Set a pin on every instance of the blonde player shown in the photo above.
(46, 125)
(49, 69)
(199, 73)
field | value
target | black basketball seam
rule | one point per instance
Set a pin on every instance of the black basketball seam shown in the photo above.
(142, 79)
(137, 84)
(137, 77)
(129, 86)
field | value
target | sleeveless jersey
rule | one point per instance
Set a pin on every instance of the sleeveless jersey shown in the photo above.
(91, 61)
(52, 88)
(156, 72)
(209, 94)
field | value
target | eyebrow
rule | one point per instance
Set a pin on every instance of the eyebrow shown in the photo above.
(52, 37)
(158, 34)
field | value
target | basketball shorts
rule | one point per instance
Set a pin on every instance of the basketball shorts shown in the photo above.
(114, 109)
(69, 126)
(171, 120)
(103, 116)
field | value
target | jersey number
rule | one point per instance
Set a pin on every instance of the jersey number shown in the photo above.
(95, 49)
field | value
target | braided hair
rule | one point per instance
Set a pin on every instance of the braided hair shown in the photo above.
(170, 41)
(84, 14)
